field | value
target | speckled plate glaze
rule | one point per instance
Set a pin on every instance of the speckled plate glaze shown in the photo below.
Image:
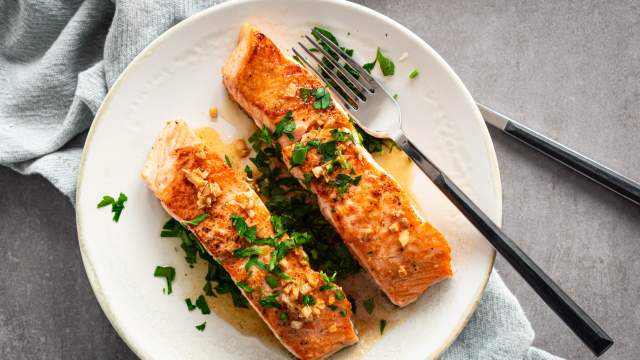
(178, 77)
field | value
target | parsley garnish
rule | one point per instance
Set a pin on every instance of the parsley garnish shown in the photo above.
(227, 160)
(296, 208)
(369, 66)
(383, 324)
(340, 295)
(244, 231)
(386, 65)
(215, 272)
(254, 261)
(284, 316)
(251, 250)
(207, 289)
(299, 154)
(201, 326)
(270, 301)
(116, 205)
(369, 305)
(328, 281)
(244, 286)
(201, 304)
(328, 149)
(285, 126)
(167, 272)
(321, 95)
(343, 181)
(307, 178)
(272, 281)
(190, 305)
(308, 300)
(343, 312)
(248, 171)
(413, 74)
(195, 221)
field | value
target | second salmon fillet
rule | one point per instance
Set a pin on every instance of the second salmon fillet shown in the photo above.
(404, 254)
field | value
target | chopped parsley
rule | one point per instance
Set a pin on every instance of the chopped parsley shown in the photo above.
(369, 66)
(340, 296)
(116, 205)
(297, 208)
(321, 96)
(244, 286)
(387, 66)
(201, 326)
(343, 312)
(190, 305)
(254, 261)
(307, 178)
(299, 154)
(413, 74)
(383, 324)
(227, 160)
(248, 171)
(395, 96)
(308, 300)
(246, 252)
(201, 304)
(167, 272)
(270, 301)
(272, 281)
(244, 231)
(284, 316)
(343, 181)
(328, 281)
(369, 305)
(195, 221)
(215, 271)
(207, 289)
(285, 127)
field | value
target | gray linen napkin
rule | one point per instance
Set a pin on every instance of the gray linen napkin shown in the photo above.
(58, 59)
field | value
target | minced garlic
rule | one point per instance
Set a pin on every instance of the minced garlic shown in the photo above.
(404, 238)
(213, 112)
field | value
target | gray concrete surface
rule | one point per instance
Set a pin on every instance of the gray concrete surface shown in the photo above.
(568, 68)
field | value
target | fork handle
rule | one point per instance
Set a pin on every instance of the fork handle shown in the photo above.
(580, 323)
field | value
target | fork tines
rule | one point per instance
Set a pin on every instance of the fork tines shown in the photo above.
(350, 87)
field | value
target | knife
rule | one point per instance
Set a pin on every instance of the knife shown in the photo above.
(593, 170)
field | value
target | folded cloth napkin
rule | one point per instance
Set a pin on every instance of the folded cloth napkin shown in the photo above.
(58, 58)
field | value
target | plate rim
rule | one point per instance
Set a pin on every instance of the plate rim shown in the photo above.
(493, 162)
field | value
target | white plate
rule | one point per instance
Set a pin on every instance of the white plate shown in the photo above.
(178, 76)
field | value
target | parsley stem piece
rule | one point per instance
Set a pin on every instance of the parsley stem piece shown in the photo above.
(167, 272)
(116, 205)
(227, 160)
(195, 221)
(413, 74)
(369, 305)
(201, 303)
(383, 324)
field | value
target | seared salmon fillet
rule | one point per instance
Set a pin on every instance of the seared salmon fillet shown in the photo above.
(303, 308)
(402, 252)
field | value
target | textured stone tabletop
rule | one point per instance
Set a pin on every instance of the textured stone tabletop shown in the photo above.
(570, 69)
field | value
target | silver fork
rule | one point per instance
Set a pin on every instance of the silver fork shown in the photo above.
(376, 112)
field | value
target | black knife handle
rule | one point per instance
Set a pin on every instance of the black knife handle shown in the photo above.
(578, 162)
(578, 321)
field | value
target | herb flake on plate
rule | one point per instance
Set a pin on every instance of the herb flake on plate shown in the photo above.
(116, 205)
(167, 272)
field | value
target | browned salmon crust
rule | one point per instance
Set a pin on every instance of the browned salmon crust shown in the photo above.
(403, 253)
(190, 180)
